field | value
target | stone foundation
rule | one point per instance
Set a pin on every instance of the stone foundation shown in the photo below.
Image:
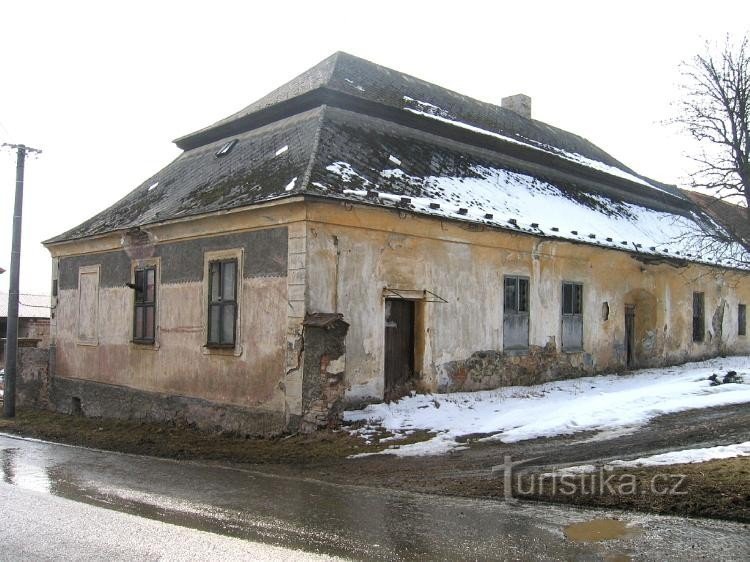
(97, 400)
(486, 370)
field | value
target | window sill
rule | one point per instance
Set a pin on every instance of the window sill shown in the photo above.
(228, 351)
(516, 351)
(145, 345)
(572, 350)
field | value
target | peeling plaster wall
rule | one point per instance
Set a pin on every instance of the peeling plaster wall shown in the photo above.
(250, 378)
(350, 264)
(338, 258)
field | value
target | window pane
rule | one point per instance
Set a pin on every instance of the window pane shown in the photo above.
(697, 305)
(139, 285)
(228, 281)
(698, 317)
(227, 328)
(214, 320)
(149, 328)
(215, 281)
(567, 298)
(741, 320)
(523, 295)
(510, 295)
(150, 282)
(138, 328)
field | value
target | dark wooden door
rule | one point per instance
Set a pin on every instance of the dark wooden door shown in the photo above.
(630, 335)
(399, 348)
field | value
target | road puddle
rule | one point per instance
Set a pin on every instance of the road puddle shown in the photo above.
(599, 530)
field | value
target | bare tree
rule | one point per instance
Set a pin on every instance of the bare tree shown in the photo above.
(715, 111)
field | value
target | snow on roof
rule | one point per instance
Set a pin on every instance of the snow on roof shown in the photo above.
(410, 144)
(508, 199)
(380, 87)
(446, 180)
(434, 112)
(29, 306)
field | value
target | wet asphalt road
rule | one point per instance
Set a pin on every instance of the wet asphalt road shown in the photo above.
(37, 526)
(126, 507)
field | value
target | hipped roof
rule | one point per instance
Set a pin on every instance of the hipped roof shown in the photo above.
(348, 129)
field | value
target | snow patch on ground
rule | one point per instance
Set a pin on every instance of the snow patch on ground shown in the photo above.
(600, 403)
(689, 456)
(686, 456)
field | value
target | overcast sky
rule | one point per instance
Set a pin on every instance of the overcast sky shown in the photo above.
(104, 87)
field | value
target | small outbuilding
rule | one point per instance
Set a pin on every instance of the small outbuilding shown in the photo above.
(33, 321)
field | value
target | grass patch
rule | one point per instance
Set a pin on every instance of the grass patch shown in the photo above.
(175, 442)
(718, 489)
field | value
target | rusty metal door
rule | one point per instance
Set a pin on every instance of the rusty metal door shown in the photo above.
(630, 335)
(399, 348)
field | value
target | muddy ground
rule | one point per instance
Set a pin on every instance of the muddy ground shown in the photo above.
(716, 489)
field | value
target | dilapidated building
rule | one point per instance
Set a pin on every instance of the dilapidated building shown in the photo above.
(359, 233)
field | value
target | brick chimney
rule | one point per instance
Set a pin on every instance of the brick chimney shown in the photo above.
(520, 103)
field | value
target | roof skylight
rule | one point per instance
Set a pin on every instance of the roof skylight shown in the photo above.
(226, 149)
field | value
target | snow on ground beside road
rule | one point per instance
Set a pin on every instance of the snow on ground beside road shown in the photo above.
(686, 456)
(600, 403)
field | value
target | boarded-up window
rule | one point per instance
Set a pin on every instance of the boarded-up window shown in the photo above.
(144, 313)
(572, 316)
(699, 317)
(222, 305)
(516, 313)
(741, 320)
(88, 305)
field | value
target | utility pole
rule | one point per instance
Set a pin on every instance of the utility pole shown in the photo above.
(11, 342)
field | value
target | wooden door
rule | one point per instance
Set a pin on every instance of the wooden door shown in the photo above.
(399, 348)
(630, 335)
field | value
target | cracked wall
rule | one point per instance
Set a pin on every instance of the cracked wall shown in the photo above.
(324, 381)
(354, 252)
(251, 388)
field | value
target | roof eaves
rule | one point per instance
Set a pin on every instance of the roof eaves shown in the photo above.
(654, 258)
(282, 198)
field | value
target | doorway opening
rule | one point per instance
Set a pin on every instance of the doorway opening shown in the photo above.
(399, 371)
(641, 337)
(630, 336)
